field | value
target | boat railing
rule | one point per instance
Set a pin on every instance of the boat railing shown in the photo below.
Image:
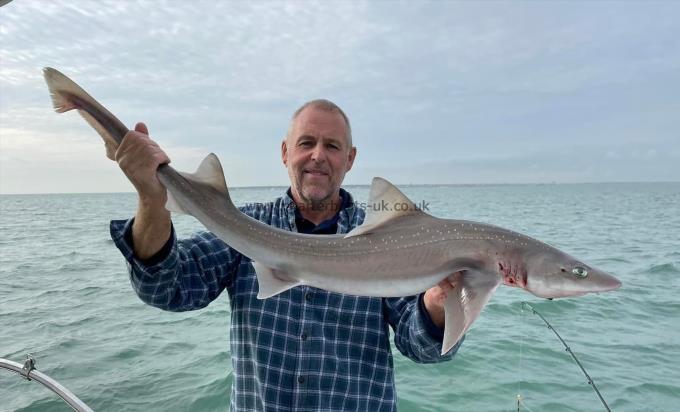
(29, 372)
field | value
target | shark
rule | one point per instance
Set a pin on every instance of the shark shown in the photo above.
(399, 250)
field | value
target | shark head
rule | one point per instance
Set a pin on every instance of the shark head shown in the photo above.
(555, 274)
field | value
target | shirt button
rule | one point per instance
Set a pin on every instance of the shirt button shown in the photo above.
(304, 336)
(309, 296)
(301, 379)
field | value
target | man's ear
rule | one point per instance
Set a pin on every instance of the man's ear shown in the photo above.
(350, 158)
(284, 152)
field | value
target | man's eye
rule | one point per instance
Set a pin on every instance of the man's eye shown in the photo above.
(306, 143)
(332, 146)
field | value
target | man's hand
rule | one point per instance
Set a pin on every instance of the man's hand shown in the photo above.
(434, 297)
(139, 157)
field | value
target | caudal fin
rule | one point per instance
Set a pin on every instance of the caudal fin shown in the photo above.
(67, 95)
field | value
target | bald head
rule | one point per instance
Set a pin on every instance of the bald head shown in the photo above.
(318, 152)
(324, 105)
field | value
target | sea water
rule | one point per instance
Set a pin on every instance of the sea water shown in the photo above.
(65, 298)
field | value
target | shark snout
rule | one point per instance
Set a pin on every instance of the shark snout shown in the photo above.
(606, 282)
(562, 285)
(596, 282)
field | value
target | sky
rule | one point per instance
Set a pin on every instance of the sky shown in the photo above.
(437, 92)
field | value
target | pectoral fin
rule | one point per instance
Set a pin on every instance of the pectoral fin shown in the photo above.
(464, 304)
(271, 282)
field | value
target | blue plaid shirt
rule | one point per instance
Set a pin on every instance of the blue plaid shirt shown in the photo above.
(305, 349)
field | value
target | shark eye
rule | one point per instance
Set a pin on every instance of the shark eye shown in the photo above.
(579, 271)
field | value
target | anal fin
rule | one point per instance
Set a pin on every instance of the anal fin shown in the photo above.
(271, 282)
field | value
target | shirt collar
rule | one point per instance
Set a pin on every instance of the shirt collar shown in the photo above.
(346, 200)
(344, 215)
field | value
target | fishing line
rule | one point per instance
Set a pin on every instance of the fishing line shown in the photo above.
(519, 365)
(573, 355)
(521, 402)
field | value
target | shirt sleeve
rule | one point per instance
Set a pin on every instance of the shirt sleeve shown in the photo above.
(415, 335)
(185, 275)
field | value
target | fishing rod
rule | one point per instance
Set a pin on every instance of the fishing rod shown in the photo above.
(28, 372)
(573, 355)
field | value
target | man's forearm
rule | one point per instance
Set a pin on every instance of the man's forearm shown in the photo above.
(151, 229)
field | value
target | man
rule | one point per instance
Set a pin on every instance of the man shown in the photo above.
(306, 348)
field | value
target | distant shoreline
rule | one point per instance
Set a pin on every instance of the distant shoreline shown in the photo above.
(397, 184)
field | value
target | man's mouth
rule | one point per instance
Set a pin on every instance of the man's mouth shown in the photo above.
(315, 172)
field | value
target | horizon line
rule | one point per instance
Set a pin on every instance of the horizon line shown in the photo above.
(368, 185)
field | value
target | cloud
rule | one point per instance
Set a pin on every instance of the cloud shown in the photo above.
(32, 158)
(566, 164)
(423, 83)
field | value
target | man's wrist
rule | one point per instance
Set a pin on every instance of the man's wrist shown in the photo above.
(159, 256)
(436, 312)
(152, 204)
(432, 329)
(151, 229)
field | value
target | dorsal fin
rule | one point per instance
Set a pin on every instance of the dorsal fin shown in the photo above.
(209, 173)
(385, 203)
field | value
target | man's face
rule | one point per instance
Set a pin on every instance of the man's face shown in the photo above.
(317, 155)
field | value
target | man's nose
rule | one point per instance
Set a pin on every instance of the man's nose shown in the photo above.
(319, 153)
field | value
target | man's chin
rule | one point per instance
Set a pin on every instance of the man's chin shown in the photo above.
(317, 196)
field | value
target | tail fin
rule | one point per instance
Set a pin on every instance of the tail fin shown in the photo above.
(67, 95)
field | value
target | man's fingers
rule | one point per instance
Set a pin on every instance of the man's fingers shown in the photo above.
(156, 149)
(130, 140)
(454, 278)
(161, 158)
(140, 158)
(138, 145)
(141, 128)
(445, 285)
